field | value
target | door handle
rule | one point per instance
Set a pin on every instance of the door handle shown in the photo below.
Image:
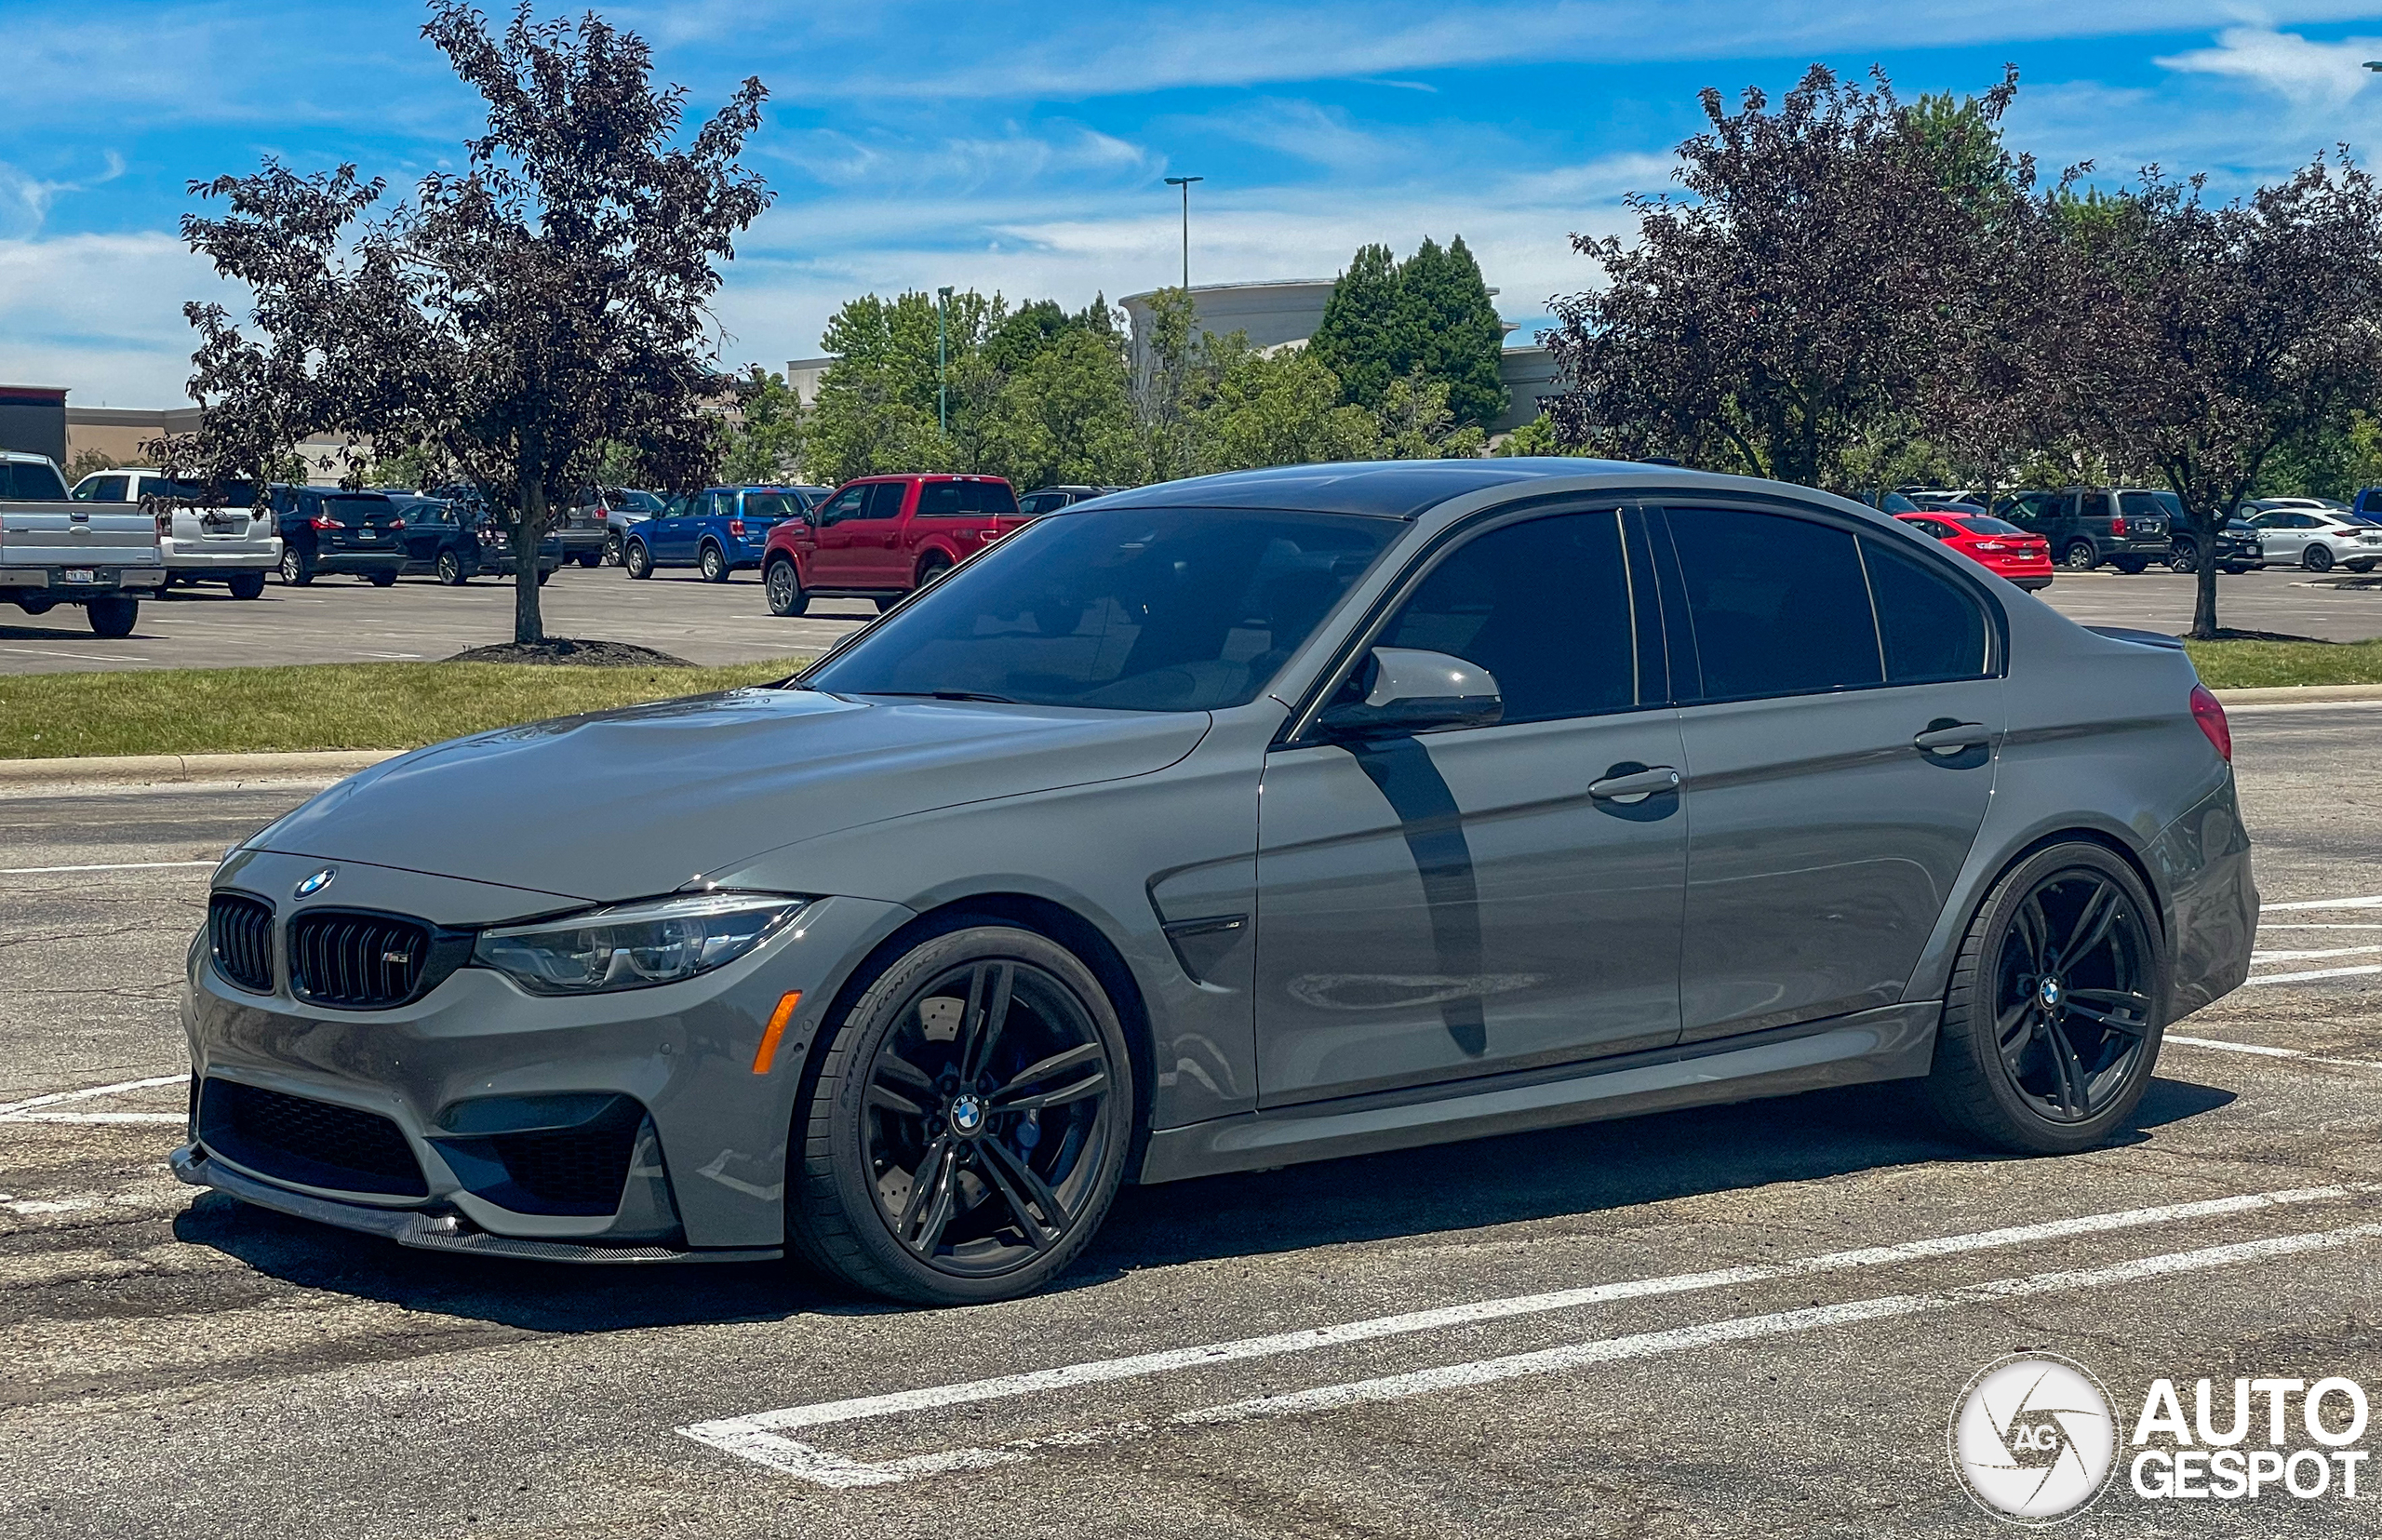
(1945, 736)
(1634, 785)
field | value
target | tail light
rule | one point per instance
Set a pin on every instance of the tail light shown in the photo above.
(324, 521)
(2210, 714)
(736, 528)
(397, 526)
(165, 523)
(2117, 525)
(1991, 545)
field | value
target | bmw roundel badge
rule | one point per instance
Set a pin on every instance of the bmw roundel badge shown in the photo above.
(317, 883)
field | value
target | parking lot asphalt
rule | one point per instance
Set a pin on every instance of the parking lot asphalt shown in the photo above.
(345, 620)
(1662, 1327)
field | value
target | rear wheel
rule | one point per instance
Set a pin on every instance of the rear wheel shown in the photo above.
(543, 573)
(2185, 557)
(112, 615)
(591, 558)
(2053, 1021)
(245, 585)
(611, 548)
(783, 583)
(2130, 566)
(932, 569)
(383, 580)
(713, 563)
(2079, 557)
(2359, 565)
(636, 560)
(296, 569)
(2317, 559)
(969, 1125)
(450, 570)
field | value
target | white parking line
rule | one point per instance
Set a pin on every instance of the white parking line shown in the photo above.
(757, 1437)
(2313, 973)
(106, 867)
(86, 657)
(14, 1111)
(2302, 957)
(2372, 901)
(2262, 1050)
(2322, 925)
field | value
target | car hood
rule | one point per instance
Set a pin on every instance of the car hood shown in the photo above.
(625, 804)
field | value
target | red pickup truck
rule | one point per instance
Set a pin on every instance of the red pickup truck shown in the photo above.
(882, 536)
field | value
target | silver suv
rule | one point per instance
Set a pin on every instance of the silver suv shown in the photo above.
(214, 536)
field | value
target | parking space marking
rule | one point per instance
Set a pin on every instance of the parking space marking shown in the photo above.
(105, 866)
(24, 1111)
(2262, 1050)
(2372, 900)
(2302, 957)
(758, 1436)
(2322, 925)
(86, 657)
(2313, 973)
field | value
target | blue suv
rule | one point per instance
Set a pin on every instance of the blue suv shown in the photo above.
(716, 531)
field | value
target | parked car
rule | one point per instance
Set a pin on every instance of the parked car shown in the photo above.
(452, 541)
(1586, 793)
(2368, 503)
(218, 535)
(2315, 540)
(2237, 548)
(884, 536)
(1995, 544)
(616, 508)
(1050, 499)
(2128, 528)
(326, 532)
(719, 531)
(99, 557)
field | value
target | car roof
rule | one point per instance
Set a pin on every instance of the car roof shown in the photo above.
(1404, 489)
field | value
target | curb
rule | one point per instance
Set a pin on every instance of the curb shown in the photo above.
(169, 769)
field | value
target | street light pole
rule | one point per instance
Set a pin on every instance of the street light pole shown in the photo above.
(1184, 182)
(941, 362)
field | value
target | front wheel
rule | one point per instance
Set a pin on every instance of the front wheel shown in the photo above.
(2317, 559)
(2053, 1021)
(383, 580)
(969, 1124)
(450, 570)
(783, 583)
(636, 560)
(296, 570)
(2079, 557)
(611, 549)
(2183, 558)
(712, 564)
(245, 585)
(591, 558)
(114, 615)
(543, 573)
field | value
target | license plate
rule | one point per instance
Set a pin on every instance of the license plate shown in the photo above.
(366, 534)
(81, 574)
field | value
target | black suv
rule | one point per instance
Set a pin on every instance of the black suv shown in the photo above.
(448, 538)
(2237, 548)
(2127, 528)
(325, 531)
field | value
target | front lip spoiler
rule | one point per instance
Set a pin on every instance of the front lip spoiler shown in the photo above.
(429, 1232)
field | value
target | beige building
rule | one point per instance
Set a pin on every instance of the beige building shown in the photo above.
(119, 433)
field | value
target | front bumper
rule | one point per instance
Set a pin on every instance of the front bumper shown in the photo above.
(709, 1169)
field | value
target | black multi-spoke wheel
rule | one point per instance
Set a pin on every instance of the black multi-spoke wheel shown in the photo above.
(970, 1123)
(2053, 1019)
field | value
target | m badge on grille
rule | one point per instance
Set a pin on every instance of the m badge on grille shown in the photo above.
(317, 883)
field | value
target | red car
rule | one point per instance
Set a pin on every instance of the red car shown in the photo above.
(881, 536)
(1995, 544)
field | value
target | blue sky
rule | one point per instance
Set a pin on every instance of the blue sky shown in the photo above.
(1023, 146)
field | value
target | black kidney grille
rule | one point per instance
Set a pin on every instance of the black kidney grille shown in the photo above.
(577, 1169)
(359, 961)
(316, 1143)
(239, 933)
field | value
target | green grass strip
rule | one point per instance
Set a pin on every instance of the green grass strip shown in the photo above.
(2253, 665)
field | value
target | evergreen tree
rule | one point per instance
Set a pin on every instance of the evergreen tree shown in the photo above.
(1353, 340)
(1446, 325)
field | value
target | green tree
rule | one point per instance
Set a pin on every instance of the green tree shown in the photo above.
(1415, 423)
(1065, 415)
(1447, 327)
(1277, 408)
(1355, 339)
(1536, 436)
(765, 444)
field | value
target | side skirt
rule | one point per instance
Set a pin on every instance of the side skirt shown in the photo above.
(1891, 1043)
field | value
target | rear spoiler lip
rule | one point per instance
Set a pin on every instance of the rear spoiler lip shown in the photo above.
(2140, 638)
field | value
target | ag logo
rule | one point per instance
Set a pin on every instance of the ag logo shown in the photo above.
(316, 883)
(2033, 1439)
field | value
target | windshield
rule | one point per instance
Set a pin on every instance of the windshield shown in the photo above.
(634, 502)
(1130, 608)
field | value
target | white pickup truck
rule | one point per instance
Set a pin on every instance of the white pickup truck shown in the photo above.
(56, 551)
(218, 539)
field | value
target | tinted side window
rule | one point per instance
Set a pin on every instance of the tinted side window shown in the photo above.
(843, 505)
(939, 499)
(2092, 505)
(1544, 607)
(1042, 502)
(1779, 605)
(885, 499)
(33, 481)
(987, 497)
(2140, 505)
(1931, 630)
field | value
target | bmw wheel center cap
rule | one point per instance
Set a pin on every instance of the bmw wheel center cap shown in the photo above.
(967, 1113)
(317, 883)
(2050, 991)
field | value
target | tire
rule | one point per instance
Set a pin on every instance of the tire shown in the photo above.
(782, 581)
(930, 570)
(591, 560)
(884, 602)
(543, 573)
(381, 579)
(611, 554)
(1018, 1197)
(450, 570)
(2131, 566)
(2003, 1086)
(712, 562)
(245, 585)
(112, 615)
(2317, 559)
(636, 560)
(2185, 557)
(2079, 557)
(297, 570)
(2359, 565)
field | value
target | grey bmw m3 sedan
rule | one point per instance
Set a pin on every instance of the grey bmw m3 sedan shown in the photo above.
(1217, 826)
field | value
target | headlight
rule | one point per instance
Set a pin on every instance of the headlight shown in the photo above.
(633, 946)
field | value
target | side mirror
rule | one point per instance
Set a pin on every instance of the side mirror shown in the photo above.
(1407, 690)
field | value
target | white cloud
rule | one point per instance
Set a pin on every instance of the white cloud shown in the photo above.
(2319, 75)
(102, 315)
